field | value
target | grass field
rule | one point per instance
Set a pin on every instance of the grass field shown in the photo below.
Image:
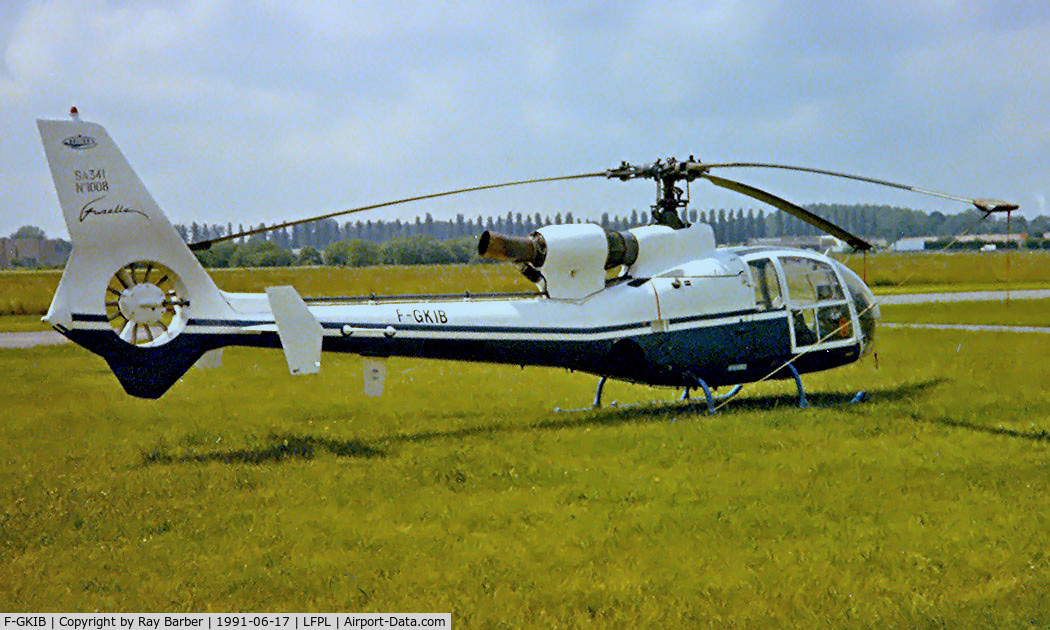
(968, 271)
(1016, 313)
(460, 490)
(22, 323)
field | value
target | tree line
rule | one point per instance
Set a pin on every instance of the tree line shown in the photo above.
(407, 250)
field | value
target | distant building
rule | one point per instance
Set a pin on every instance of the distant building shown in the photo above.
(995, 238)
(918, 243)
(911, 243)
(32, 252)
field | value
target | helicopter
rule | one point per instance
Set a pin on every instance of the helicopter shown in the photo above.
(658, 304)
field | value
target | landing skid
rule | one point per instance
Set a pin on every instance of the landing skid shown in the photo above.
(709, 397)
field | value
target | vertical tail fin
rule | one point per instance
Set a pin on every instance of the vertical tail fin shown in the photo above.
(131, 283)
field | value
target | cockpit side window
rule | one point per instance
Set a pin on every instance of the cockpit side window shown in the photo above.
(767, 286)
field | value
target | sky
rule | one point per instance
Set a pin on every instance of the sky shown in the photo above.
(270, 111)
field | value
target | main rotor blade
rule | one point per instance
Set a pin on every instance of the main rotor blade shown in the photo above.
(984, 205)
(199, 245)
(796, 211)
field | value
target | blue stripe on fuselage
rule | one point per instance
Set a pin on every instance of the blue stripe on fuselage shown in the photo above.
(563, 330)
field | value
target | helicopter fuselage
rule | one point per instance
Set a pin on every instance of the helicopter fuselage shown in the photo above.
(732, 316)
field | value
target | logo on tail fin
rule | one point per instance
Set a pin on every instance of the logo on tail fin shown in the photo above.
(79, 142)
(89, 209)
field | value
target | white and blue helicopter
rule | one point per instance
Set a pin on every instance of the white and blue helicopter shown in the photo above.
(658, 304)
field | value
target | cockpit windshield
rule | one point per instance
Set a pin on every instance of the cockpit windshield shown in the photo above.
(864, 303)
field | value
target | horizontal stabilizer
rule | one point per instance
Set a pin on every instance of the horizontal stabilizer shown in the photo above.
(299, 330)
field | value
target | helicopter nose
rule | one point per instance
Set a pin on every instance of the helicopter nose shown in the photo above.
(864, 303)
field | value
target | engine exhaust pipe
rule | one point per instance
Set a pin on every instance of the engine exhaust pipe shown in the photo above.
(519, 249)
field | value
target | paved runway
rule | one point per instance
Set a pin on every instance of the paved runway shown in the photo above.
(31, 339)
(963, 296)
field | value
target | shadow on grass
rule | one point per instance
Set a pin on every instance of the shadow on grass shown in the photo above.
(283, 448)
(286, 448)
(895, 394)
(662, 412)
(822, 400)
(1035, 436)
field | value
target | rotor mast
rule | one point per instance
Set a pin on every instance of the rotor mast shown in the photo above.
(670, 199)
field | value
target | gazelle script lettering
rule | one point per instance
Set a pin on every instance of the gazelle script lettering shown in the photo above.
(90, 209)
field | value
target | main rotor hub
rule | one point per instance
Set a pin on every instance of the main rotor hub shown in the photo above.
(669, 197)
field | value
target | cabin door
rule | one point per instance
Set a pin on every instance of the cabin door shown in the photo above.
(820, 314)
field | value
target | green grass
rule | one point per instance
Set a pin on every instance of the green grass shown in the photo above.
(383, 279)
(27, 292)
(922, 271)
(1016, 313)
(459, 490)
(22, 323)
(959, 287)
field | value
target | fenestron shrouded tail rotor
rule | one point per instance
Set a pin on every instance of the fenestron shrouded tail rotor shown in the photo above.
(667, 173)
(143, 304)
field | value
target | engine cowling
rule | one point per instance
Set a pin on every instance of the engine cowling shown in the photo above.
(622, 248)
(573, 258)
